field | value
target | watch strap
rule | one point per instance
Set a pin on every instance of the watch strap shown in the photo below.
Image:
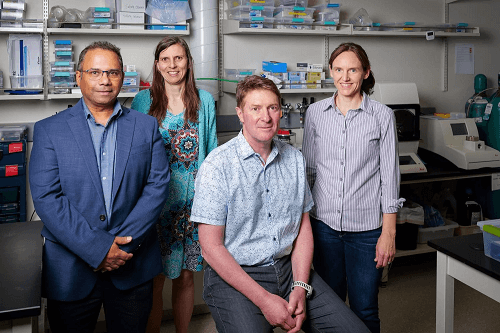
(303, 285)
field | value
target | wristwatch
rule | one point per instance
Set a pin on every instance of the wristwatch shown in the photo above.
(304, 285)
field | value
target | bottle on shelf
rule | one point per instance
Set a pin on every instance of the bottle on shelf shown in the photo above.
(473, 211)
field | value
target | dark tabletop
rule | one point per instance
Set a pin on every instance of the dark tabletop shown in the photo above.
(21, 269)
(469, 250)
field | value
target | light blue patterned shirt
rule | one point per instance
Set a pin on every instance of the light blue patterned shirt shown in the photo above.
(261, 206)
(352, 164)
(104, 139)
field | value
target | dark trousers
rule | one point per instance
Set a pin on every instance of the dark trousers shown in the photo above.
(233, 312)
(125, 310)
(345, 261)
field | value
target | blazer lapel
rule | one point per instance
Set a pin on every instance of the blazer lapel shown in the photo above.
(124, 136)
(81, 131)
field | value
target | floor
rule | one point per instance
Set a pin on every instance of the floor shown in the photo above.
(407, 303)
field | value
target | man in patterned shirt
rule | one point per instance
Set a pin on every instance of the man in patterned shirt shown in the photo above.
(251, 202)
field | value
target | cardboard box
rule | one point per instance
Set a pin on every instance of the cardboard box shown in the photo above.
(274, 66)
(130, 17)
(25, 54)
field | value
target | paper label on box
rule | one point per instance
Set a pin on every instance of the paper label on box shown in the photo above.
(495, 181)
(11, 170)
(15, 147)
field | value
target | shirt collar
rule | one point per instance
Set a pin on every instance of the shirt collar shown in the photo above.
(246, 150)
(117, 111)
(363, 107)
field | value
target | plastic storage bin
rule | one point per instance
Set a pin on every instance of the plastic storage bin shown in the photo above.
(63, 55)
(300, 3)
(255, 22)
(131, 82)
(61, 87)
(62, 76)
(101, 12)
(427, 234)
(13, 133)
(62, 66)
(251, 11)
(99, 23)
(27, 82)
(63, 45)
(327, 12)
(236, 3)
(237, 74)
(293, 12)
(491, 239)
(293, 23)
(326, 25)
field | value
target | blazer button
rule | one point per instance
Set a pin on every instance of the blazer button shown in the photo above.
(102, 217)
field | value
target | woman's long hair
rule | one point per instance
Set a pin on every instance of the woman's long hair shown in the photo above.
(190, 95)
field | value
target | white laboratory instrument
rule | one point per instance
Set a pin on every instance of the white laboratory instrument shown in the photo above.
(402, 97)
(457, 140)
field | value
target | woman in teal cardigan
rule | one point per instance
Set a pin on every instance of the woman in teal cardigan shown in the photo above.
(186, 116)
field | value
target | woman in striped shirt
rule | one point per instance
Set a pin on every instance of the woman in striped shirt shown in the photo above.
(350, 146)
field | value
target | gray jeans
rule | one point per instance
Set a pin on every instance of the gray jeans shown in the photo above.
(233, 312)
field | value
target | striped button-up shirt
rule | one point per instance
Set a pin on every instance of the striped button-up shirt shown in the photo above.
(352, 164)
(104, 139)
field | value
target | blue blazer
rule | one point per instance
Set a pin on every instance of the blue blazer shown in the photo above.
(68, 198)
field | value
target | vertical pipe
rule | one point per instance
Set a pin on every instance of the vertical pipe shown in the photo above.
(204, 43)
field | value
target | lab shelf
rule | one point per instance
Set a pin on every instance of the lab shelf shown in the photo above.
(474, 32)
(8, 97)
(231, 27)
(230, 87)
(117, 32)
(78, 95)
(21, 30)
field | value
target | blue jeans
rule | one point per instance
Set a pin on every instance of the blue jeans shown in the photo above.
(345, 261)
(233, 312)
(125, 310)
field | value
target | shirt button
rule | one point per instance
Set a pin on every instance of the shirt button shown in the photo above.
(341, 163)
(341, 147)
(267, 190)
(340, 195)
(341, 179)
(269, 214)
(343, 131)
(274, 239)
(103, 178)
(102, 217)
(338, 211)
(104, 153)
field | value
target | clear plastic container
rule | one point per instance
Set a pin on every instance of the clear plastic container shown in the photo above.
(101, 12)
(7, 14)
(300, 3)
(61, 87)
(26, 82)
(36, 24)
(399, 26)
(327, 12)
(293, 12)
(14, 5)
(62, 66)
(99, 23)
(236, 3)
(293, 23)
(326, 25)
(238, 74)
(17, 24)
(62, 76)
(251, 11)
(63, 55)
(63, 44)
(131, 82)
(12, 133)
(255, 22)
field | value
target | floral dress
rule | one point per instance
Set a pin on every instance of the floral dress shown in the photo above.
(180, 247)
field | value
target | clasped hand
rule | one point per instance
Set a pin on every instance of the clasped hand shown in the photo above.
(289, 316)
(115, 258)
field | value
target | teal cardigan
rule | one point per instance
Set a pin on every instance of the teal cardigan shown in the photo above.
(207, 131)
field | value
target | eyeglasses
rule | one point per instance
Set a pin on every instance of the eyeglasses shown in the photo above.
(96, 74)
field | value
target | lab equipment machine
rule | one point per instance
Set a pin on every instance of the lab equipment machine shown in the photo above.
(458, 141)
(402, 98)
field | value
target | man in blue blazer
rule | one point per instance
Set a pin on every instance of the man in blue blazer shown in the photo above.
(99, 178)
